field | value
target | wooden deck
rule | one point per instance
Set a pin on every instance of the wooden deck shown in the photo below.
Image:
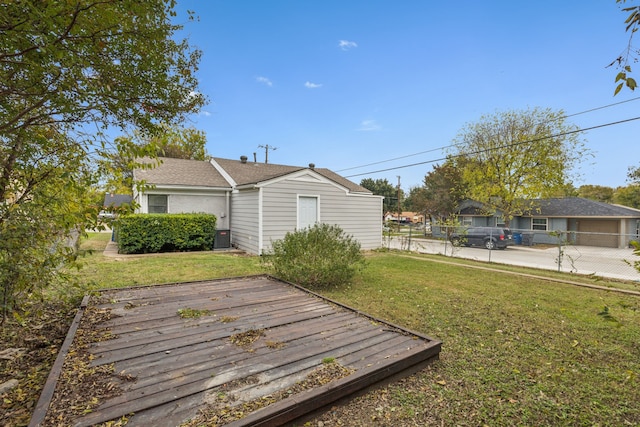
(183, 347)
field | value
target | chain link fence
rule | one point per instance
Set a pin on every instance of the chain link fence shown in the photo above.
(599, 254)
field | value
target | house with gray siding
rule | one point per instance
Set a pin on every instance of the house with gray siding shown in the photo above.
(578, 220)
(258, 202)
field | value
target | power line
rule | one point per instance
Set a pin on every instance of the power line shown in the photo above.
(451, 145)
(497, 148)
(602, 108)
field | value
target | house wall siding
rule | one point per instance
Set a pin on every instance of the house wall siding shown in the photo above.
(245, 224)
(358, 215)
(186, 201)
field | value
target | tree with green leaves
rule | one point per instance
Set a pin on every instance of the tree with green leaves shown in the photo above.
(382, 187)
(628, 196)
(599, 193)
(630, 54)
(167, 141)
(176, 142)
(415, 200)
(509, 158)
(70, 71)
(444, 190)
(633, 174)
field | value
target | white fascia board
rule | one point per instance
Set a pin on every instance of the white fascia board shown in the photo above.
(247, 187)
(169, 187)
(224, 173)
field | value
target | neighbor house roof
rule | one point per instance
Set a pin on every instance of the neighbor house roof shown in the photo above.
(197, 173)
(246, 172)
(576, 207)
(471, 207)
(116, 200)
(566, 207)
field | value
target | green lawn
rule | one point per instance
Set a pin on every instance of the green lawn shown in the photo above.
(516, 350)
(99, 271)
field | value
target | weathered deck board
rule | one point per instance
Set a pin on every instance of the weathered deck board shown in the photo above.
(178, 363)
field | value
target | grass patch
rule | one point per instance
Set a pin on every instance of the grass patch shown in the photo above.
(551, 274)
(516, 350)
(99, 272)
(95, 241)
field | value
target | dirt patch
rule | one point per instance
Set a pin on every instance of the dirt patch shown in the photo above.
(29, 345)
(78, 375)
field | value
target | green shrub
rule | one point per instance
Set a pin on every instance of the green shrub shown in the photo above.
(151, 233)
(318, 256)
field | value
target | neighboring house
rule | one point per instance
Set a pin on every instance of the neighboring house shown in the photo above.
(112, 202)
(259, 203)
(586, 222)
(405, 217)
(116, 200)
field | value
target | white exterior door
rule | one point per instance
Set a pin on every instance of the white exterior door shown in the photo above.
(307, 211)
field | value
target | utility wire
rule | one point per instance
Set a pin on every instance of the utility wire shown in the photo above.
(451, 145)
(497, 148)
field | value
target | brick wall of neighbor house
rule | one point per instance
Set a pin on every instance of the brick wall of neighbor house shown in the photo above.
(358, 215)
(245, 220)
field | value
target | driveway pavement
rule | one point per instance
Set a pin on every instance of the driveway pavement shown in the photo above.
(604, 262)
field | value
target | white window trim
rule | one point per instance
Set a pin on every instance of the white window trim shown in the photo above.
(154, 194)
(546, 224)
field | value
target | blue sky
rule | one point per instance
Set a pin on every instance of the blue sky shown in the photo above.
(348, 83)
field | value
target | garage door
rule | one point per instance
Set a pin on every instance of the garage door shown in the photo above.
(598, 232)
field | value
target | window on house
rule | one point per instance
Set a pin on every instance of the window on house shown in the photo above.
(539, 224)
(158, 203)
(466, 221)
(500, 221)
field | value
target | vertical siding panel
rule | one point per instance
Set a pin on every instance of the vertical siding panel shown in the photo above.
(244, 220)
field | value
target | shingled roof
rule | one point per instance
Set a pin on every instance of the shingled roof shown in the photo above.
(566, 207)
(576, 207)
(245, 173)
(195, 173)
(204, 174)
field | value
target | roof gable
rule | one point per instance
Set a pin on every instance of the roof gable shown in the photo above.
(247, 173)
(244, 173)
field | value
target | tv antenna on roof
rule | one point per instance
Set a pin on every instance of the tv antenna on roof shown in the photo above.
(266, 151)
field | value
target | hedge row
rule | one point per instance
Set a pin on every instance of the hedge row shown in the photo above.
(151, 233)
